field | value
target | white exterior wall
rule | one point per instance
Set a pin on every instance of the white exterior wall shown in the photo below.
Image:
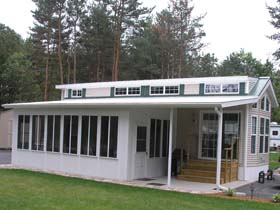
(274, 139)
(113, 168)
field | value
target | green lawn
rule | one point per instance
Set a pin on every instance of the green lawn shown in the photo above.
(274, 160)
(25, 190)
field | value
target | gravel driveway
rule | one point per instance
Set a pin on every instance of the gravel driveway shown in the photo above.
(5, 156)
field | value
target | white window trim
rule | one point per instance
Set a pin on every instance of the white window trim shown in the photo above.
(265, 98)
(256, 134)
(200, 127)
(221, 89)
(164, 90)
(115, 89)
(264, 135)
(77, 96)
(65, 93)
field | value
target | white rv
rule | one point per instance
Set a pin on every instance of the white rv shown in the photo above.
(274, 134)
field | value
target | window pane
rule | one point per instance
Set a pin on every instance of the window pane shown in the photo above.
(152, 137)
(254, 125)
(50, 133)
(93, 135)
(141, 139)
(230, 88)
(35, 133)
(267, 126)
(267, 105)
(104, 136)
(84, 137)
(157, 90)
(262, 103)
(158, 136)
(253, 144)
(20, 131)
(171, 90)
(275, 133)
(266, 144)
(26, 131)
(113, 137)
(41, 132)
(255, 105)
(212, 88)
(262, 126)
(261, 144)
(134, 91)
(66, 133)
(74, 134)
(120, 91)
(57, 134)
(165, 137)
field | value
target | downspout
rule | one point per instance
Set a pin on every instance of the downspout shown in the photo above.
(219, 149)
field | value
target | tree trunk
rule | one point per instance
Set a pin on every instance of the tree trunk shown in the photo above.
(59, 49)
(115, 71)
(68, 68)
(75, 57)
(46, 96)
(98, 66)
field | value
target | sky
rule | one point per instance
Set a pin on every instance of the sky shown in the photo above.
(230, 25)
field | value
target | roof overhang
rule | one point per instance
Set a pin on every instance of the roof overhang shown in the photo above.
(155, 102)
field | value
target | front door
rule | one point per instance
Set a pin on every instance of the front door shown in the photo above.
(141, 152)
(209, 134)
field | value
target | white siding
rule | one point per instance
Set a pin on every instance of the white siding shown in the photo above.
(98, 92)
(191, 89)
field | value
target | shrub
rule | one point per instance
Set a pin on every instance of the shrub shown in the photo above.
(230, 192)
(276, 198)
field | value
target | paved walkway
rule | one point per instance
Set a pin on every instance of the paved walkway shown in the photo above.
(5, 157)
(265, 190)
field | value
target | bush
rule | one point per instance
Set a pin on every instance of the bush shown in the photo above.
(230, 192)
(276, 198)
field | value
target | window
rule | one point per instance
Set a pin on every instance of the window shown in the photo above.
(212, 88)
(76, 93)
(38, 129)
(141, 139)
(253, 134)
(155, 136)
(134, 91)
(165, 137)
(262, 103)
(267, 104)
(156, 90)
(89, 135)
(264, 135)
(159, 130)
(230, 88)
(221, 88)
(120, 91)
(23, 131)
(70, 135)
(255, 105)
(171, 89)
(274, 133)
(109, 136)
(53, 133)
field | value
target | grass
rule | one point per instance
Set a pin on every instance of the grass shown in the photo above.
(26, 190)
(274, 160)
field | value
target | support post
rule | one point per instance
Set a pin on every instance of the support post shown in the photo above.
(246, 142)
(219, 147)
(170, 148)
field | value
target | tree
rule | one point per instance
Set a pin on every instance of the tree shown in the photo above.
(96, 43)
(242, 63)
(75, 12)
(42, 36)
(275, 22)
(125, 16)
(188, 32)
